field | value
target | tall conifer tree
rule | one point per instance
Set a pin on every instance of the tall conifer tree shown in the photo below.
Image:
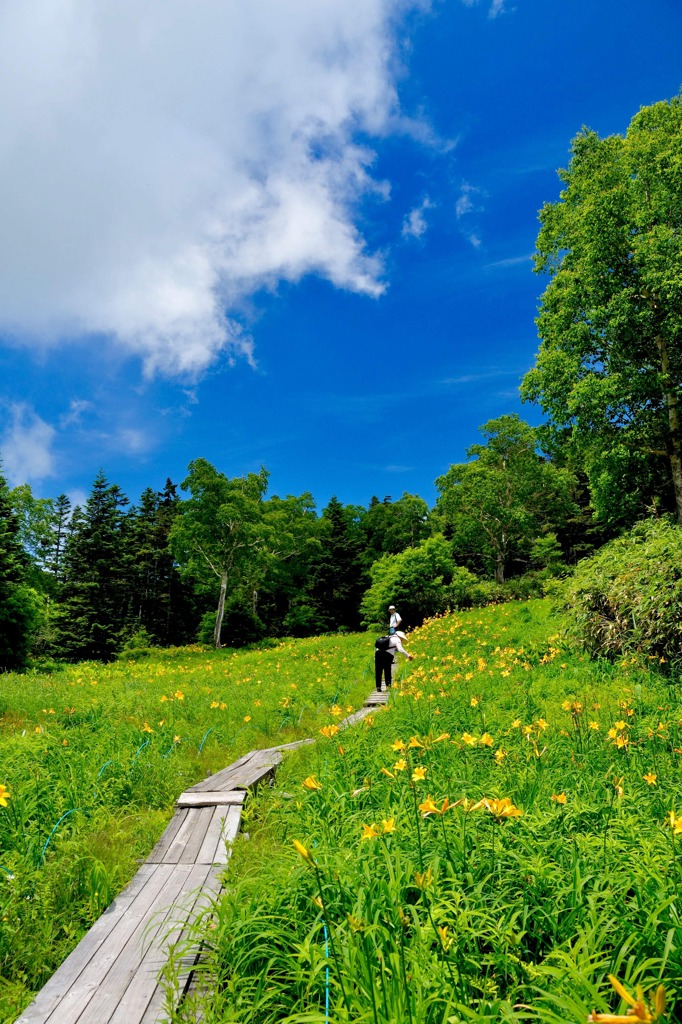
(94, 591)
(18, 608)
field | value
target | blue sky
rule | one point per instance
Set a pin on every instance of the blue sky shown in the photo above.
(292, 233)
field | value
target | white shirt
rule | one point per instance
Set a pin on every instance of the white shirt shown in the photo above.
(394, 621)
(394, 641)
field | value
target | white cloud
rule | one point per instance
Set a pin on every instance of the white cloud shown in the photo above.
(163, 160)
(77, 408)
(466, 201)
(414, 224)
(496, 8)
(26, 446)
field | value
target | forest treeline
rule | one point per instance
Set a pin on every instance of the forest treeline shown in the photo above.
(218, 559)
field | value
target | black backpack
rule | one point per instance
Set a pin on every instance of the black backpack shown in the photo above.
(382, 644)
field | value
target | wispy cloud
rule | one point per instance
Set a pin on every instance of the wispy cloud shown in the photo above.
(163, 161)
(77, 409)
(26, 446)
(414, 224)
(512, 261)
(469, 200)
(496, 8)
(475, 378)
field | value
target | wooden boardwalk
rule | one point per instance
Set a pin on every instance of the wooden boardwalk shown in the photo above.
(112, 976)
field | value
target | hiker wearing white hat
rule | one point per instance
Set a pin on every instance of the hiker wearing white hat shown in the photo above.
(394, 620)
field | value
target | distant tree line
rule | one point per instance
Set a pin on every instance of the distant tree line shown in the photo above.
(224, 562)
(219, 560)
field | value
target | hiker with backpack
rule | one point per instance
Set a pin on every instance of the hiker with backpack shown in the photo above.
(384, 654)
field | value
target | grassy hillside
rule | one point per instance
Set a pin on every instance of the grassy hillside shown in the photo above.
(492, 846)
(92, 758)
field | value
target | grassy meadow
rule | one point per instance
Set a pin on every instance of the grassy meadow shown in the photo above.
(493, 846)
(92, 758)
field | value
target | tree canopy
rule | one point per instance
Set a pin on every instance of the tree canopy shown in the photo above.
(609, 369)
(497, 504)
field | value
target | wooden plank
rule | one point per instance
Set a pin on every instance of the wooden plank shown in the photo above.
(65, 975)
(213, 782)
(233, 823)
(356, 717)
(75, 1000)
(239, 774)
(157, 854)
(154, 1012)
(109, 990)
(197, 818)
(196, 839)
(232, 796)
(143, 990)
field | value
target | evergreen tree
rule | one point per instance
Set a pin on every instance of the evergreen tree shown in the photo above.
(18, 602)
(159, 601)
(95, 591)
(338, 577)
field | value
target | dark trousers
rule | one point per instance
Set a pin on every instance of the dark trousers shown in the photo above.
(383, 665)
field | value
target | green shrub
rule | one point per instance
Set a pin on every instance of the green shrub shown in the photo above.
(421, 582)
(628, 598)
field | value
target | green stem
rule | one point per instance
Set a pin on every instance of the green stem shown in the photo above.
(332, 944)
(404, 970)
(370, 970)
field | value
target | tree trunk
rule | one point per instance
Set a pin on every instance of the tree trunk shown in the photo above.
(499, 568)
(221, 610)
(675, 444)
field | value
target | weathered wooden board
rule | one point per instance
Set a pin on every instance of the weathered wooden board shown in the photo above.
(221, 834)
(65, 975)
(138, 961)
(157, 854)
(210, 798)
(242, 775)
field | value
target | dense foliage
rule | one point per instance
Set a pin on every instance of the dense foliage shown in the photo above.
(627, 599)
(609, 370)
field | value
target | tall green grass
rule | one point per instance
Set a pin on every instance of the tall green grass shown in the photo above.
(93, 758)
(492, 846)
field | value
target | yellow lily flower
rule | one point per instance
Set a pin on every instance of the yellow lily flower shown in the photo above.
(304, 852)
(419, 774)
(501, 809)
(428, 807)
(675, 823)
(311, 783)
(329, 730)
(369, 831)
(4, 796)
(388, 825)
(650, 778)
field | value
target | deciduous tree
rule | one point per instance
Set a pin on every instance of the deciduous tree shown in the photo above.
(498, 503)
(609, 370)
(219, 537)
